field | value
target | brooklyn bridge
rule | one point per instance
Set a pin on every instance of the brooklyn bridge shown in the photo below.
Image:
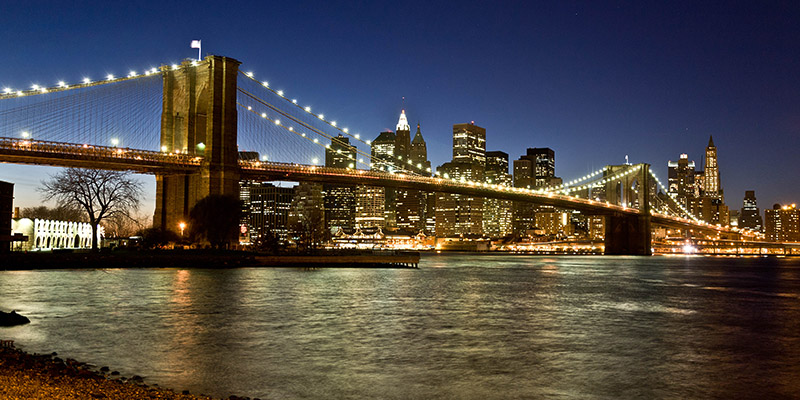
(189, 124)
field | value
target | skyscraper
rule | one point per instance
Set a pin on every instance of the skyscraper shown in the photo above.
(712, 186)
(419, 154)
(534, 169)
(370, 206)
(383, 160)
(409, 204)
(402, 141)
(710, 206)
(750, 216)
(681, 175)
(267, 210)
(469, 144)
(496, 212)
(462, 214)
(412, 205)
(782, 223)
(340, 199)
(459, 214)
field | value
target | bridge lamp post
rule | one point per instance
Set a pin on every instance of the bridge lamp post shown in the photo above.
(182, 225)
(25, 134)
(114, 142)
(314, 161)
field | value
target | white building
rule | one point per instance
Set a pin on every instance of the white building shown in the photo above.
(47, 235)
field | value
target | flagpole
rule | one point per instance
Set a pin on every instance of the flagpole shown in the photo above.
(199, 47)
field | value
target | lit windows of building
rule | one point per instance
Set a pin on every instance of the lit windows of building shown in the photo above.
(750, 216)
(496, 212)
(712, 186)
(534, 169)
(469, 143)
(458, 214)
(681, 178)
(370, 207)
(782, 223)
(267, 211)
(339, 200)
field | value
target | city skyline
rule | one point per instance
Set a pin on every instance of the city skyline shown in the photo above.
(733, 83)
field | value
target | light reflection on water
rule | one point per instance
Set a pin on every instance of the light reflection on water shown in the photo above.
(462, 326)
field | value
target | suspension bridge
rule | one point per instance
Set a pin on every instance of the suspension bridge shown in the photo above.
(189, 123)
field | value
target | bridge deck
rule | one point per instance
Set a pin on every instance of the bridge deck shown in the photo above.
(25, 151)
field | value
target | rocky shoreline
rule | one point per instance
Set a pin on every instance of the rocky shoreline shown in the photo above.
(37, 376)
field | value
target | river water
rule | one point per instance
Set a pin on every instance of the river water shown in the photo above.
(460, 327)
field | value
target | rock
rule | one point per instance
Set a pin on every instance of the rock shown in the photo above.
(115, 373)
(13, 319)
(104, 369)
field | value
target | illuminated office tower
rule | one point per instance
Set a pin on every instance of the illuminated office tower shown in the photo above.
(412, 156)
(370, 206)
(267, 210)
(496, 212)
(681, 177)
(711, 185)
(534, 170)
(383, 160)
(339, 200)
(782, 223)
(750, 216)
(458, 214)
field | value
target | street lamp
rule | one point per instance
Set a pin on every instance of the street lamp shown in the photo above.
(182, 225)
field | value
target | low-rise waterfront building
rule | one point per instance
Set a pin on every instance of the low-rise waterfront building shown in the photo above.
(45, 234)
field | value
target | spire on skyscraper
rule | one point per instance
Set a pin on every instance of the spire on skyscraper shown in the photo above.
(418, 137)
(711, 141)
(402, 123)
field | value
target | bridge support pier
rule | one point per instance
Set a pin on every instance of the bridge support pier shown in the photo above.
(199, 117)
(628, 235)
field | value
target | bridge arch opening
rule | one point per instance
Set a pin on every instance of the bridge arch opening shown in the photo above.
(201, 122)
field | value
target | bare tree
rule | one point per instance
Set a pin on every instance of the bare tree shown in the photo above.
(102, 194)
(125, 225)
(59, 213)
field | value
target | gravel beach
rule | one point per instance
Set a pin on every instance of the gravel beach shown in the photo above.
(34, 376)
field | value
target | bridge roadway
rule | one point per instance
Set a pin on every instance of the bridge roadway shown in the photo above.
(38, 152)
(57, 154)
(255, 170)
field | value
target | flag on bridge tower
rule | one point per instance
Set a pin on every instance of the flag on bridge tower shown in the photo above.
(196, 45)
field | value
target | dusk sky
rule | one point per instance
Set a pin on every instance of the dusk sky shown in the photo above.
(595, 81)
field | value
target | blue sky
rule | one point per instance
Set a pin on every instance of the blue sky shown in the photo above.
(595, 81)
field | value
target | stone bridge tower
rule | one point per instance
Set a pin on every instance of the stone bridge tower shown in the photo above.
(625, 234)
(199, 116)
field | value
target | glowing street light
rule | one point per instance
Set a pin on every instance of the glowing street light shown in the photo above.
(182, 225)
(26, 134)
(115, 142)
